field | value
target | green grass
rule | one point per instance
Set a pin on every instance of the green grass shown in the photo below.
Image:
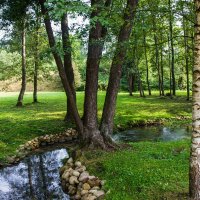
(147, 171)
(18, 125)
(144, 171)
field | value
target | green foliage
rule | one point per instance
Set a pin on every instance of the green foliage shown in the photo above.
(9, 64)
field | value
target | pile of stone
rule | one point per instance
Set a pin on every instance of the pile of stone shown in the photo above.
(46, 140)
(42, 141)
(78, 183)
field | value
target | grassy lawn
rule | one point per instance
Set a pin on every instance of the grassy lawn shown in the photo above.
(18, 125)
(145, 171)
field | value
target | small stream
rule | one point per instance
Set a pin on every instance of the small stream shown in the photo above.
(35, 178)
(153, 133)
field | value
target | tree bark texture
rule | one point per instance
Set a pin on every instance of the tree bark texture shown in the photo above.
(172, 50)
(116, 70)
(186, 59)
(97, 36)
(60, 67)
(195, 146)
(146, 60)
(36, 64)
(92, 69)
(23, 86)
(68, 64)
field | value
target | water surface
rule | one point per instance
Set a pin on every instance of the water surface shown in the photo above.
(153, 133)
(35, 178)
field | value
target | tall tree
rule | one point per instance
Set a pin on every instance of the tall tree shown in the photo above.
(195, 146)
(68, 63)
(89, 131)
(23, 86)
(116, 70)
(172, 48)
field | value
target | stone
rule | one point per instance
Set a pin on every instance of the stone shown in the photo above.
(78, 164)
(99, 193)
(73, 180)
(96, 188)
(94, 182)
(81, 169)
(72, 190)
(70, 160)
(86, 186)
(65, 176)
(84, 176)
(84, 192)
(76, 173)
(92, 197)
(77, 197)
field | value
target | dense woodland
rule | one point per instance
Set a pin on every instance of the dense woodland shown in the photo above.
(103, 45)
(160, 50)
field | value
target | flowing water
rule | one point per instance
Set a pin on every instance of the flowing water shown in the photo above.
(35, 178)
(153, 133)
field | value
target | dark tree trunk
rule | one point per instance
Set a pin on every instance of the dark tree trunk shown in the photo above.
(68, 64)
(131, 80)
(186, 59)
(140, 85)
(146, 59)
(97, 36)
(172, 50)
(170, 74)
(162, 70)
(60, 67)
(158, 63)
(36, 64)
(35, 98)
(116, 70)
(23, 86)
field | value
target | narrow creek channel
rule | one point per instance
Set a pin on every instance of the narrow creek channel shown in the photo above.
(35, 178)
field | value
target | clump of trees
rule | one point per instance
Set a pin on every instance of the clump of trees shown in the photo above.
(148, 43)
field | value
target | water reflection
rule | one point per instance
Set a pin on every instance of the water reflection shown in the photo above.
(153, 134)
(35, 178)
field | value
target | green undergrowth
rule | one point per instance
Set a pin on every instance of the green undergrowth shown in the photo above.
(145, 171)
(18, 125)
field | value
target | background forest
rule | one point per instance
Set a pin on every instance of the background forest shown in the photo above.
(160, 51)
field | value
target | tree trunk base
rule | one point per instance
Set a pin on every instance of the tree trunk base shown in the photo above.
(68, 119)
(19, 104)
(93, 139)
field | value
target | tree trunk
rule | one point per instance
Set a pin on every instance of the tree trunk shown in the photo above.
(23, 86)
(68, 64)
(131, 78)
(60, 67)
(116, 70)
(195, 146)
(162, 71)
(186, 59)
(146, 59)
(172, 50)
(140, 85)
(158, 63)
(36, 65)
(97, 36)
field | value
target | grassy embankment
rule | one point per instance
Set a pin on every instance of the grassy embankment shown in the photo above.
(145, 171)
